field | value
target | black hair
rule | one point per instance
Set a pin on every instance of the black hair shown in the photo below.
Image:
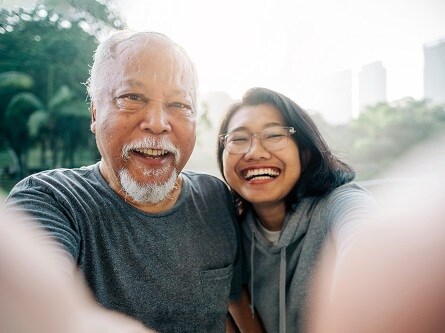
(322, 172)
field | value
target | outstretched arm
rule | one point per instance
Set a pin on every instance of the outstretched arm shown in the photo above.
(41, 290)
(389, 277)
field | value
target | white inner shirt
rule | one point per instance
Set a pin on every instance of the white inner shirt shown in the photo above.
(271, 236)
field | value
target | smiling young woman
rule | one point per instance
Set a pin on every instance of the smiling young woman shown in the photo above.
(292, 194)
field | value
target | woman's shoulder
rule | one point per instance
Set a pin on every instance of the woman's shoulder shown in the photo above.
(350, 190)
(347, 196)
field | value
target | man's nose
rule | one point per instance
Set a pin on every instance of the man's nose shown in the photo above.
(156, 119)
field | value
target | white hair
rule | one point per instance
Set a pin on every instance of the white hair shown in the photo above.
(107, 50)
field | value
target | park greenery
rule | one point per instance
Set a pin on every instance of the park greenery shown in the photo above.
(44, 56)
(384, 132)
(45, 53)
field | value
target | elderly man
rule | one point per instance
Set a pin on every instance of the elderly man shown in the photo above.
(153, 241)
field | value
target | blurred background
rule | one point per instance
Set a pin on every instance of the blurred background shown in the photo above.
(370, 72)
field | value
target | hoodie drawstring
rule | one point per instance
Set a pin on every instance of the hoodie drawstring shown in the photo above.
(282, 285)
(252, 250)
(283, 290)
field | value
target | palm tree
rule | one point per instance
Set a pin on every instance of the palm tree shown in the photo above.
(28, 121)
(18, 111)
(12, 83)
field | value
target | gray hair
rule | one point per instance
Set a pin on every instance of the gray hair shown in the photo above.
(107, 49)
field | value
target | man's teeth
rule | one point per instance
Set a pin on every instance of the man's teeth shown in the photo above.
(151, 152)
(264, 173)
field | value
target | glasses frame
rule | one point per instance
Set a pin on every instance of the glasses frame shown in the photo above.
(223, 138)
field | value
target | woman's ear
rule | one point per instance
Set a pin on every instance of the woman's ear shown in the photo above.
(93, 118)
(305, 158)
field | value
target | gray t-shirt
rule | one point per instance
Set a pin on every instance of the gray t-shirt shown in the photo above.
(175, 271)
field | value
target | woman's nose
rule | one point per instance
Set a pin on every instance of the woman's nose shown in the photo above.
(256, 150)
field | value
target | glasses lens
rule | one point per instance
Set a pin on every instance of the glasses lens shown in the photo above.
(274, 138)
(238, 142)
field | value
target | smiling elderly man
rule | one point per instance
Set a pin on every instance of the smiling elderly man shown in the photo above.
(153, 241)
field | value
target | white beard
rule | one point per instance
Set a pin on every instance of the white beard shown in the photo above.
(147, 193)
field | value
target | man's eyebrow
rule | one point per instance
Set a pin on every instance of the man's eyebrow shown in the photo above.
(181, 92)
(134, 83)
(174, 93)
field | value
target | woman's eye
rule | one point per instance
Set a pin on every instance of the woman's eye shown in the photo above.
(237, 138)
(274, 135)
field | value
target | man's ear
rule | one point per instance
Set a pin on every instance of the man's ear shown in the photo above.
(93, 118)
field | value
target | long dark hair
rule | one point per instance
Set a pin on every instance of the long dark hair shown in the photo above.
(322, 171)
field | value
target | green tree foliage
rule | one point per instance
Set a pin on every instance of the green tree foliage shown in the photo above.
(10, 84)
(94, 16)
(385, 131)
(16, 117)
(45, 53)
(47, 47)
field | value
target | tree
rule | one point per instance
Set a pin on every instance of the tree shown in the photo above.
(53, 44)
(10, 84)
(385, 131)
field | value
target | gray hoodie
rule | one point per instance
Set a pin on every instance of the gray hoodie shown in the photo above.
(279, 276)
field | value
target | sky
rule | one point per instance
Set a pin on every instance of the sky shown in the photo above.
(292, 45)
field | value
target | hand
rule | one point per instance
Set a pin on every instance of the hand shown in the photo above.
(96, 319)
(390, 278)
(41, 291)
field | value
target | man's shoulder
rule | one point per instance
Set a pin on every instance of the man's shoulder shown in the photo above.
(202, 178)
(57, 177)
(83, 170)
(345, 197)
(348, 190)
(206, 186)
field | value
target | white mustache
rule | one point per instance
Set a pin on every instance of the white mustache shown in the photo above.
(152, 143)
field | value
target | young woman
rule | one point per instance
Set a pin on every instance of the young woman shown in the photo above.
(292, 194)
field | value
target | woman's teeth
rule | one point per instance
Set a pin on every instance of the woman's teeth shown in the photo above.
(263, 173)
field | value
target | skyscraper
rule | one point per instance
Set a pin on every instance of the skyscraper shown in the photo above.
(434, 71)
(336, 104)
(371, 85)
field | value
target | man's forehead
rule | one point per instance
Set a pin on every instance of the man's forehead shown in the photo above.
(151, 48)
(159, 62)
(145, 64)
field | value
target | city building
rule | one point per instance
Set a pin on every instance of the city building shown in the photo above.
(371, 85)
(336, 104)
(434, 71)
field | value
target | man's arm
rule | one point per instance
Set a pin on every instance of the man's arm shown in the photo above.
(41, 290)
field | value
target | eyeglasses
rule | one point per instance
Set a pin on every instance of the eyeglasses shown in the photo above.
(271, 138)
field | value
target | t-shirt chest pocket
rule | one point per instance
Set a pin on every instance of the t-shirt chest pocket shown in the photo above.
(216, 285)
